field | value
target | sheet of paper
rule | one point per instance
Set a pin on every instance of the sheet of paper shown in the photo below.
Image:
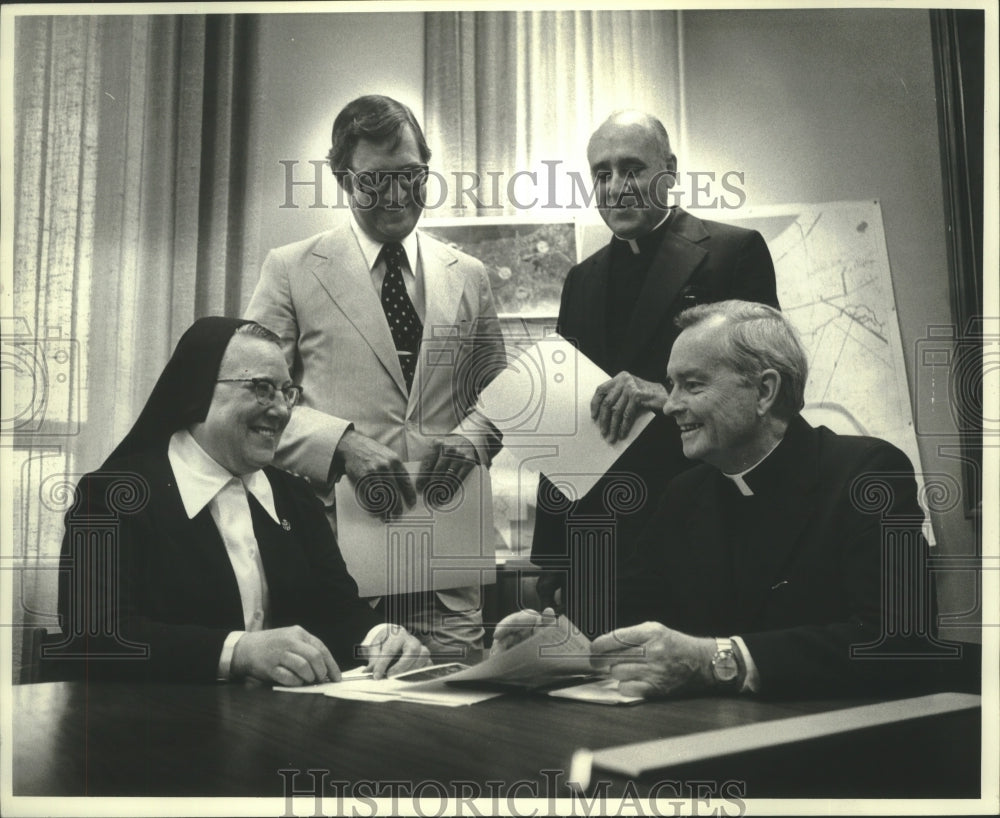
(552, 654)
(602, 692)
(422, 686)
(346, 676)
(542, 401)
(445, 697)
(426, 547)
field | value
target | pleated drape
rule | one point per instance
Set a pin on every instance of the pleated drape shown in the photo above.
(510, 91)
(136, 211)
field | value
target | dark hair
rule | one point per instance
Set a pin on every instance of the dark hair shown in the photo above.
(759, 337)
(375, 118)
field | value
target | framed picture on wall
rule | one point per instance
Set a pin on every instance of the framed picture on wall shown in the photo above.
(527, 260)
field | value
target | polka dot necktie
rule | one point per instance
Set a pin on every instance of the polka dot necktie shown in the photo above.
(404, 323)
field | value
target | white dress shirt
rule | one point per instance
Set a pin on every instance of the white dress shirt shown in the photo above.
(202, 482)
(412, 278)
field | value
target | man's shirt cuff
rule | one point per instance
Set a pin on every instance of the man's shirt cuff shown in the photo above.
(226, 659)
(751, 684)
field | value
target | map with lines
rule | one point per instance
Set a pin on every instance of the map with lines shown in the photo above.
(834, 284)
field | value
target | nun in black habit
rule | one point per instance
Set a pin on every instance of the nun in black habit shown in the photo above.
(188, 557)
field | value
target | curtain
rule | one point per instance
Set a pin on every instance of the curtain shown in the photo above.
(513, 91)
(136, 211)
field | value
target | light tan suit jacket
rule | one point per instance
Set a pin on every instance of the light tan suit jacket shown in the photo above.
(317, 295)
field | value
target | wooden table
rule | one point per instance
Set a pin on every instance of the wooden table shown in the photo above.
(72, 739)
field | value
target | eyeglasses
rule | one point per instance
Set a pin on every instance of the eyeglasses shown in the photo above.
(265, 391)
(378, 181)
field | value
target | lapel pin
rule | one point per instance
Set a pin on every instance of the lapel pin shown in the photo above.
(286, 525)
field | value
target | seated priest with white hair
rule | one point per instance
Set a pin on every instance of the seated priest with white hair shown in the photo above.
(790, 561)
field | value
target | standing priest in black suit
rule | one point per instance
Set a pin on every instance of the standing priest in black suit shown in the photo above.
(618, 307)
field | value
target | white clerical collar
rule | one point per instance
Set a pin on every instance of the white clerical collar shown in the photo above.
(633, 244)
(737, 478)
(199, 477)
(371, 248)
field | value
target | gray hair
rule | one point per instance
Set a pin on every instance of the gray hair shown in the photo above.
(759, 337)
(255, 330)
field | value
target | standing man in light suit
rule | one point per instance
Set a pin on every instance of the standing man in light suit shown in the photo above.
(392, 335)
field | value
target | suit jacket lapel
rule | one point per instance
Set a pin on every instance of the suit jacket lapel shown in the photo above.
(444, 284)
(676, 259)
(341, 270)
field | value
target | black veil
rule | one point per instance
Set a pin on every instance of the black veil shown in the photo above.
(184, 390)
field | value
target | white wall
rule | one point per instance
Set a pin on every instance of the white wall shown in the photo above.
(829, 105)
(312, 65)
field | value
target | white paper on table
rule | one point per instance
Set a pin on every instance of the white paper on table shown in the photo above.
(424, 548)
(409, 687)
(358, 685)
(602, 692)
(542, 400)
(355, 673)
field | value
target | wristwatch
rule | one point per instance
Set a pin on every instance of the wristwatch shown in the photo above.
(725, 668)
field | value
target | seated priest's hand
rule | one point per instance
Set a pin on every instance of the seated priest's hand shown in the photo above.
(652, 661)
(514, 629)
(286, 656)
(391, 649)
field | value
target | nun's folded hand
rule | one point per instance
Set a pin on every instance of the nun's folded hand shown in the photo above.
(286, 656)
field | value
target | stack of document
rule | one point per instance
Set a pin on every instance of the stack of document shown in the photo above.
(554, 659)
(423, 686)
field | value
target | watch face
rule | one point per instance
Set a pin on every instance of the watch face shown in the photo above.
(724, 666)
